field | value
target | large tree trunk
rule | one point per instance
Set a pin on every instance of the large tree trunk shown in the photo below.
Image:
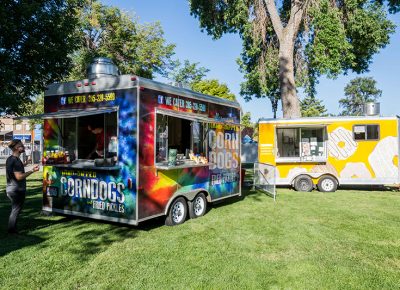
(290, 102)
(286, 36)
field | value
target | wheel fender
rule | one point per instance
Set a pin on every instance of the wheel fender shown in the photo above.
(302, 173)
(189, 196)
(314, 176)
(206, 194)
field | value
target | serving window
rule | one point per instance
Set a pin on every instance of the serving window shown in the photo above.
(301, 144)
(366, 132)
(87, 137)
(187, 137)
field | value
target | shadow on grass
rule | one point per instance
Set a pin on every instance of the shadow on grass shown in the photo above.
(14, 243)
(247, 192)
(29, 220)
(84, 237)
(87, 236)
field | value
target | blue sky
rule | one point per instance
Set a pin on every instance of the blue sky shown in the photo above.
(220, 56)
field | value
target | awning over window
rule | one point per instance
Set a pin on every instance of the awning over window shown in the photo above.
(74, 113)
(312, 125)
(26, 137)
(6, 132)
(195, 117)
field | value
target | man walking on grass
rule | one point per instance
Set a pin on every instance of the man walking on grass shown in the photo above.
(16, 182)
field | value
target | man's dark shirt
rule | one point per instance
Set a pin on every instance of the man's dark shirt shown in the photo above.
(14, 164)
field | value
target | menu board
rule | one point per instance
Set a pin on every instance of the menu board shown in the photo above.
(311, 148)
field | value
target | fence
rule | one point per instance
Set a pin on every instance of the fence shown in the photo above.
(264, 178)
(249, 153)
(4, 153)
(34, 152)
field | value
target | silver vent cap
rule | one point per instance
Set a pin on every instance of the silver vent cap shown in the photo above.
(101, 67)
(371, 109)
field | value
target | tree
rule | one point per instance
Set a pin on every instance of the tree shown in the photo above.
(274, 98)
(35, 107)
(213, 88)
(188, 73)
(294, 42)
(312, 107)
(255, 132)
(246, 120)
(248, 126)
(134, 48)
(35, 40)
(358, 92)
(192, 76)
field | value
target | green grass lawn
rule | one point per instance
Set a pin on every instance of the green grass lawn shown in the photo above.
(342, 240)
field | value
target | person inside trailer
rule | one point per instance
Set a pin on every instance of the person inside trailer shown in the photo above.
(98, 150)
(103, 141)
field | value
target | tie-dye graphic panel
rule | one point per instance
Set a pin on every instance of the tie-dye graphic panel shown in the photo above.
(224, 146)
(158, 186)
(94, 191)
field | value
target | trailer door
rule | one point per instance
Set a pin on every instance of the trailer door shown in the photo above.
(266, 139)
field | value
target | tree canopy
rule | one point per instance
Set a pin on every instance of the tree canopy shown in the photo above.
(214, 88)
(192, 76)
(36, 107)
(359, 91)
(135, 48)
(312, 107)
(287, 44)
(248, 127)
(246, 120)
(187, 73)
(36, 38)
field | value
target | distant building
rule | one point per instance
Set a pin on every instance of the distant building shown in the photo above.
(10, 129)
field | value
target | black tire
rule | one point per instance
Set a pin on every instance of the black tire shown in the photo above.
(303, 183)
(327, 184)
(177, 212)
(198, 206)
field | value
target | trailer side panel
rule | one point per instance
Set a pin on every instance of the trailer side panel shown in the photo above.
(219, 179)
(107, 193)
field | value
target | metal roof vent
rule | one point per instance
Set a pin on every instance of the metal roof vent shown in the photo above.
(371, 109)
(102, 67)
(181, 85)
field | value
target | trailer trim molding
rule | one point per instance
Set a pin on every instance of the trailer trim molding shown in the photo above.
(92, 216)
(225, 197)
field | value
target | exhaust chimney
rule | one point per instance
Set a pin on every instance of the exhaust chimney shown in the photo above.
(371, 109)
(102, 67)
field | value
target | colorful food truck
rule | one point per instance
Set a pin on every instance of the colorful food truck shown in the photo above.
(127, 149)
(329, 151)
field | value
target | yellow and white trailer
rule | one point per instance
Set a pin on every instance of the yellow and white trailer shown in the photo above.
(330, 151)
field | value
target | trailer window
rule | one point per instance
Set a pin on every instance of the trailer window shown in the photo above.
(288, 142)
(312, 143)
(301, 144)
(88, 137)
(68, 136)
(161, 138)
(97, 136)
(186, 136)
(366, 132)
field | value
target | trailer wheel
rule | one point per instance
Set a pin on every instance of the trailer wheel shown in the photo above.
(303, 183)
(327, 184)
(177, 212)
(198, 206)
